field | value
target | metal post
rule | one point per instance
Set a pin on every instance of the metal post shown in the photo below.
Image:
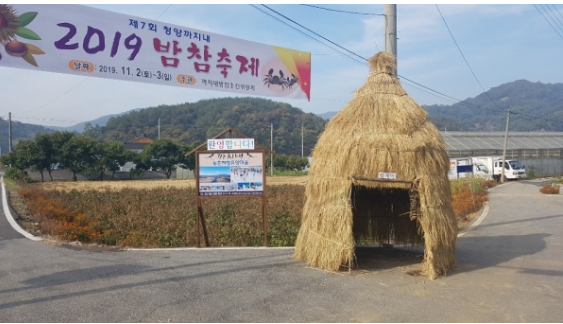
(272, 149)
(301, 139)
(264, 219)
(504, 148)
(390, 13)
(9, 132)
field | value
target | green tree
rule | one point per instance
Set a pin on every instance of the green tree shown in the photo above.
(46, 149)
(95, 132)
(188, 161)
(140, 166)
(296, 163)
(22, 156)
(287, 162)
(80, 153)
(115, 156)
(163, 155)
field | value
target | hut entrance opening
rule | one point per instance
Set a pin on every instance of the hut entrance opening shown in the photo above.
(385, 216)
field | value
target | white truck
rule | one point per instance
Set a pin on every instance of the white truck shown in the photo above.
(467, 167)
(513, 169)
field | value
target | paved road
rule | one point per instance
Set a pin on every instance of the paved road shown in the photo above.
(511, 270)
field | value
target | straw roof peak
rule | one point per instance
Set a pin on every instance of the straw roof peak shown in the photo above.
(382, 63)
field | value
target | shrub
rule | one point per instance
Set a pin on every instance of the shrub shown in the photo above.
(16, 174)
(549, 189)
(531, 172)
(469, 195)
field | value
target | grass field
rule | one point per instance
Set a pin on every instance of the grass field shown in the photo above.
(152, 184)
(162, 213)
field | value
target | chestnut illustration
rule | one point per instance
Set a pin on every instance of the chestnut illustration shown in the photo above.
(16, 48)
(3, 21)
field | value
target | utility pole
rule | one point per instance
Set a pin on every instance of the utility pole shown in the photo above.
(504, 149)
(158, 127)
(390, 13)
(272, 149)
(301, 139)
(9, 132)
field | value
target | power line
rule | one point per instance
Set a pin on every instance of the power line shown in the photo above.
(305, 34)
(50, 119)
(344, 11)
(162, 13)
(549, 22)
(466, 62)
(404, 78)
(552, 15)
(436, 94)
(557, 10)
(328, 40)
(57, 98)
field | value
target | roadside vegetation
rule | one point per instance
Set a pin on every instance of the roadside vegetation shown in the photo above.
(161, 215)
(97, 159)
(553, 187)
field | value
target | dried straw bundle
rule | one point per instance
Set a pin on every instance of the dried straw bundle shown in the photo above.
(381, 129)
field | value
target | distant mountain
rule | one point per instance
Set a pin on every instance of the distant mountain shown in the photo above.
(101, 121)
(328, 115)
(20, 131)
(534, 107)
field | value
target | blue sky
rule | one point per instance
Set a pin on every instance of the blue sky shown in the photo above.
(502, 43)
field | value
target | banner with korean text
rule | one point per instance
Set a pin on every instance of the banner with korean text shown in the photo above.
(80, 40)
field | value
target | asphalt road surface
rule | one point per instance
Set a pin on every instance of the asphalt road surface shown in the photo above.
(510, 270)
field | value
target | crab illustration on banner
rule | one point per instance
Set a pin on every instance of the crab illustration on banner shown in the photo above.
(299, 66)
(81, 40)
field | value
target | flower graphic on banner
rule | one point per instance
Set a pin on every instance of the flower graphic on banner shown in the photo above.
(11, 26)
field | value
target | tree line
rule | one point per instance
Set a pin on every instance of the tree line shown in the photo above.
(91, 157)
(83, 154)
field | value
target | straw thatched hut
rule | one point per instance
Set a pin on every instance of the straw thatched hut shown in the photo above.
(379, 175)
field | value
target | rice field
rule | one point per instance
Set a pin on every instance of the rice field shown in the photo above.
(162, 213)
(119, 185)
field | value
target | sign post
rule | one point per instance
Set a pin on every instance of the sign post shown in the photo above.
(230, 167)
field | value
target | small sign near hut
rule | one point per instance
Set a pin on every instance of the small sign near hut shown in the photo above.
(230, 167)
(232, 173)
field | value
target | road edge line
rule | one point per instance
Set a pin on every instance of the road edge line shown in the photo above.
(11, 219)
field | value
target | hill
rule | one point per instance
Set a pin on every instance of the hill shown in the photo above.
(20, 131)
(79, 128)
(536, 107)
(196, 122)
(328, 115)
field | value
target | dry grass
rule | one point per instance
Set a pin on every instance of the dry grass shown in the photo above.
(165, 217)
(381, 129)
(152, 184)
(159, 217)
(550, 189)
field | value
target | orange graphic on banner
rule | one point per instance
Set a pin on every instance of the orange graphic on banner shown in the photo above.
(186, 79)
(81, 66)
